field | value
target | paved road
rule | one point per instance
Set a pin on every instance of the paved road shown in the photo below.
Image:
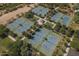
(73, 52)
(7, 17)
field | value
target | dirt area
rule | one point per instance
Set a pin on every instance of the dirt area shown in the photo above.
(75, 26)
(7, 17)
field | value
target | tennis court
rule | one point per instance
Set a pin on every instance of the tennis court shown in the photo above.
(62, 19)
(45, 46)
(39, 37)
(49, 46)
(19, 26)
(40, 11)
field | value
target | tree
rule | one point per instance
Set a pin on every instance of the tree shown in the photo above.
(3, 31)
(29, 15)
(76, 34)
(48, 25)
(20, 48)
(63, 30)
(76, 18)
(24, 49)
(15, 48)
(2, 28)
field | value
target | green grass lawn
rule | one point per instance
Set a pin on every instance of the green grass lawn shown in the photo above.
(75, 43)
(6, 42)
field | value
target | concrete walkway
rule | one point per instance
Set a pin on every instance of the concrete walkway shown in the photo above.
(13, 39)
(68, 48)
(23, 38)
(46, 21)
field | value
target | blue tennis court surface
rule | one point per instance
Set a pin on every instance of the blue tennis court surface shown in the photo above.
(19, 26)
(40, 11)
(39, 37)
(49, 46)
(45, 46)
(62, 19)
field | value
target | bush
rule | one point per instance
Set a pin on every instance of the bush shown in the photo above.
(29, 15)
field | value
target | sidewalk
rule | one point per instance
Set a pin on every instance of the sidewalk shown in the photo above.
(68, 48)
(13, 39)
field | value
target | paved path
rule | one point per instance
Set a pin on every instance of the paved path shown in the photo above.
(68, 48)
(13, 39)
(23, 38)
(45, 19)
(7, 17)
(73, 52)
(76, 11)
